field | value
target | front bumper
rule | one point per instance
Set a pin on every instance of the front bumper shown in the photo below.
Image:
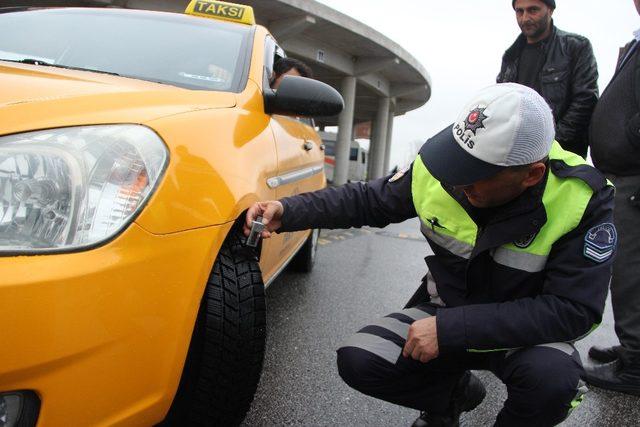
(101, 336)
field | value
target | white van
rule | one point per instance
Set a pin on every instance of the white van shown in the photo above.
(358, 158)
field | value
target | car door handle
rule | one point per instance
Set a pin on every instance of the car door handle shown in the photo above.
(308, 145)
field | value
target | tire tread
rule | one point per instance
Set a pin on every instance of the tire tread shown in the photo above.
(231, 324)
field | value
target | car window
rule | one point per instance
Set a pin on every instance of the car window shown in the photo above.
(272, 52)
(181, 50)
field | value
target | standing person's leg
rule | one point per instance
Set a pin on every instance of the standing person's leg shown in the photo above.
(625, 285)
(624, 374)
(543, 384)
(371, 361)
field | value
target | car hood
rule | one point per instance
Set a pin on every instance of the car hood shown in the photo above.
(37, 97)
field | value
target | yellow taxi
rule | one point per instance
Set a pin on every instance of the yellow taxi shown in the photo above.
(131, 142)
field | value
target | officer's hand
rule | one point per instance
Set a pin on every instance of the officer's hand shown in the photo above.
(270, 211)
(422, 341)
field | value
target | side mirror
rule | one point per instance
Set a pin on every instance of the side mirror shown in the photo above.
(300, 96)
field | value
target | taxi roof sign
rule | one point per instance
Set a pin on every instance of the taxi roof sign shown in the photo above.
(221, 10)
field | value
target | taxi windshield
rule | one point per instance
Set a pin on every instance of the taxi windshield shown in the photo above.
(175, 49)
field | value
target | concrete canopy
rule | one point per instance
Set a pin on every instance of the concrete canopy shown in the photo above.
(336, 46)
(332, 43)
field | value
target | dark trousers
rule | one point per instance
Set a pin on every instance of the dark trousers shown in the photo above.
(625, 283)
(543, 382)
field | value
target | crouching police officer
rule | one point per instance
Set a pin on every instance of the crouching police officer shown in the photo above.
(522, 237)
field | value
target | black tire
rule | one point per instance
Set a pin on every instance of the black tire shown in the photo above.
(225, 356)
(305, 259)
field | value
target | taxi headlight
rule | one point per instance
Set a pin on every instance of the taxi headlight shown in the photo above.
(69, 188)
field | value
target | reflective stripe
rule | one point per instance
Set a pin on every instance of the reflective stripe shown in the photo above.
(381, 347)
(526, 261)
(397, 327)
(415, 313)
(564, 347)
(294, 176)
(454, 246)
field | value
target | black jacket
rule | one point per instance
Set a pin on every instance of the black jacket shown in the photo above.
(615, 125)
(568, 82)
(488, 306)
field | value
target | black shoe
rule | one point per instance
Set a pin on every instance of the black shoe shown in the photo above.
(467, 395)
(614, 376)
(604, 354)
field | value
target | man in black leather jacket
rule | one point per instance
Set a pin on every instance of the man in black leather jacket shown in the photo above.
(558, 65)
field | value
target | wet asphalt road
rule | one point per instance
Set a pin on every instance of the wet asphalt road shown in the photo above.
(361, 275)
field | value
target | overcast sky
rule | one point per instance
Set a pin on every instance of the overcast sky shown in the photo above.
(461, 42)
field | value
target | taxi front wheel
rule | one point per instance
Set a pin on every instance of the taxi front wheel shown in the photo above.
(226, 353)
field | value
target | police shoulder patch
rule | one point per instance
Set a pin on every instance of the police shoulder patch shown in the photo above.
(600, 242)
(399, 174)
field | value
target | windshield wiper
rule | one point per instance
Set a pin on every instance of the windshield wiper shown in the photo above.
(42, 63)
